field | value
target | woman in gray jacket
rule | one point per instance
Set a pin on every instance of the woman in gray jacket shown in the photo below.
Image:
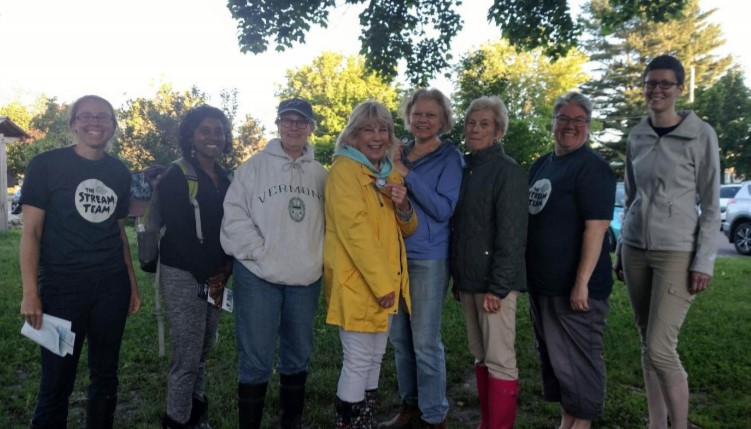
(667, 248)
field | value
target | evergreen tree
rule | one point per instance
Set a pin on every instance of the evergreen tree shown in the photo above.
(621, 57)
(726, 105)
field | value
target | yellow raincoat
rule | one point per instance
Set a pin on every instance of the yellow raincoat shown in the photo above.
(364, 257)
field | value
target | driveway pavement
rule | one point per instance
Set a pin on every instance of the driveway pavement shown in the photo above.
(724, 247)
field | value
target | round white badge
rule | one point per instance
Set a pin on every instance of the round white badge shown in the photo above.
(538, 195)
(95, 201)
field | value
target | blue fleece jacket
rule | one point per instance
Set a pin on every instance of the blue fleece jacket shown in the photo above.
(433, 183)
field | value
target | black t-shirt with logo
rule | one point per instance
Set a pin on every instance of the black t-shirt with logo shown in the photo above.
(82, 200)
(564, 192)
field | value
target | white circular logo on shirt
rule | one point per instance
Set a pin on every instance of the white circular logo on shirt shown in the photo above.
(95, 201)
(538, 195)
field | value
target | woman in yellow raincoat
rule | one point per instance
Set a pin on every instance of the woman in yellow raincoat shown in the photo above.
(364, 259)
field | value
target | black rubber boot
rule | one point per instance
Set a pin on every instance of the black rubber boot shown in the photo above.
(168, 423)
(100, 412)
(63, 425)
(350, 415)
(369, 408)
(292, 399)
(250, 399)
(343, 414)
(199, 413)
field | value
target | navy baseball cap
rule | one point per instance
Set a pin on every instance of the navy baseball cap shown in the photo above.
(295, 105)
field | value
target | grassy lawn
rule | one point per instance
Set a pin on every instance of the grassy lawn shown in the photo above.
(715, 347)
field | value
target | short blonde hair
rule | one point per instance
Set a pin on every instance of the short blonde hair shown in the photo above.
(447, 115)
(76, 106)
(367, 113)
(73, 114)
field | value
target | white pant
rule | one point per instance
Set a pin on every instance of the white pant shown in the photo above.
(363, 352)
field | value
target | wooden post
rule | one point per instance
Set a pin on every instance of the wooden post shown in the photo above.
(3, 186)
(158, 313)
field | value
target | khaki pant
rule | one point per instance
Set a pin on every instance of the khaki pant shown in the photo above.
(491, 336)
(658, 283)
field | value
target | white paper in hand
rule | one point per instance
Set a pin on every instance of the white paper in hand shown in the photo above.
(227, 300)
(55, 335)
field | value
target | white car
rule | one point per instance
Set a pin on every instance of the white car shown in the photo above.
(726, 193)
(737, 223)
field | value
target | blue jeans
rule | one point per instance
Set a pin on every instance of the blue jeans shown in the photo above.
(97, 307)
(420, 363)
(265, 311)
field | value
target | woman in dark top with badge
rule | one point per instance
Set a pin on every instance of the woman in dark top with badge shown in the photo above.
(571, 198)
(75, 261)
(189, 263)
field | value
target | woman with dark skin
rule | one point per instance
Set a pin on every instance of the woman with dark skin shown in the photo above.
(75, 261)
(189, 262)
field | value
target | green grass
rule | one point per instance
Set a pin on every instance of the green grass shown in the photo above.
(715, 347)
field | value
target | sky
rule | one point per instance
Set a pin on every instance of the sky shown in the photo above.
(125, 49)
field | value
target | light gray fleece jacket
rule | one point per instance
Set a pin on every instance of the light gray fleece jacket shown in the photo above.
(665, 177)
(273, 216)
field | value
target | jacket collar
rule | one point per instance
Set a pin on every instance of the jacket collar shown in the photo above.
(445, 146)
(484, 155)
(223, 172)
(688, 129)
(365, 177)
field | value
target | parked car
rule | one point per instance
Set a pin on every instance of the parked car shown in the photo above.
(614, 232)
(15, 207)
(737, 223)
(727, 192)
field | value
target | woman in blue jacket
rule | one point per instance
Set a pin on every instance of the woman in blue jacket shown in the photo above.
(432, 170)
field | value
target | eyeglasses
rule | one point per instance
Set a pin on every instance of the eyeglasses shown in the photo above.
(86, 118)
(663, 84)
(288, 122)
(578, 121)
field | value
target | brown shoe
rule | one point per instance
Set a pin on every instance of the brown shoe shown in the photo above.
(403, 419)
(441, 425)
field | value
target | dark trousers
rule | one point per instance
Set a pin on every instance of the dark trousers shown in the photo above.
(570, 347)
(97, 305)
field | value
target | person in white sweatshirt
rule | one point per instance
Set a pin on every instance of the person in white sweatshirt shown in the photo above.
(273, 227)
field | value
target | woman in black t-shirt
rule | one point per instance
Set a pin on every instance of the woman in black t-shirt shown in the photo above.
(571, 199)
(75, 261)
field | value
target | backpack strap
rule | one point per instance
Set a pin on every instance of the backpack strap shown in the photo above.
(192, 178)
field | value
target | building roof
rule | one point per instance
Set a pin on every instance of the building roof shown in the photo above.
(9, 129)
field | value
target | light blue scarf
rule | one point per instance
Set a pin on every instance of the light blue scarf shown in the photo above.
(356, 155)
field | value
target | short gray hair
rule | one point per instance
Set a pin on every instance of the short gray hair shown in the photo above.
(576, 98)
(495, 105)
(366, 113)
(447, 114)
